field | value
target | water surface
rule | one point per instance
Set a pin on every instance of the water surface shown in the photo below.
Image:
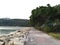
(8, 29)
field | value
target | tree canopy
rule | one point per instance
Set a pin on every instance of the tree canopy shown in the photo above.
(45, 15)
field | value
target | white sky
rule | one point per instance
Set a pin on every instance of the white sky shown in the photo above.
(21, 8)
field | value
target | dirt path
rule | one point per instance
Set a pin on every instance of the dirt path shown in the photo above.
(39, 38)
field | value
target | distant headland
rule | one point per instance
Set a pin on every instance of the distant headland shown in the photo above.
(14, 22)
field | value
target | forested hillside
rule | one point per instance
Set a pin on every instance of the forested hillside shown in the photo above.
(14, 22)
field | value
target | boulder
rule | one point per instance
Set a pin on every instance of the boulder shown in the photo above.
(2, 43)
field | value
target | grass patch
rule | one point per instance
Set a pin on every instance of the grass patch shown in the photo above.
(56, 35)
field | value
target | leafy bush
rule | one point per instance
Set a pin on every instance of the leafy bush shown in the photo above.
(56, 28)
(46, 29)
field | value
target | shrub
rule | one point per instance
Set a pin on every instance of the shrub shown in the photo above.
(46, 29)
(56, 28)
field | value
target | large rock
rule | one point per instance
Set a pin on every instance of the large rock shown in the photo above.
(2, 42)
(16, 41)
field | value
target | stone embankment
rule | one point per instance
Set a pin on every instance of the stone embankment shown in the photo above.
(14, 38)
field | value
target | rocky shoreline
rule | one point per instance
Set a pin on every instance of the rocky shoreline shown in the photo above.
(14, 38)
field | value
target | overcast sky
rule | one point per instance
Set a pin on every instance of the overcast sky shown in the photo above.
(21, 8)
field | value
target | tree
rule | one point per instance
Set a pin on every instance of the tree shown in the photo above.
(46, 15)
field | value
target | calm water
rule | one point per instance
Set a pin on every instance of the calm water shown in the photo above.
(8, 29)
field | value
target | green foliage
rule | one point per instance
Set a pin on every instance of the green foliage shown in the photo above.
(39, 28)
(14, 22)
(46, 29)
(56, 28)
(45, 15)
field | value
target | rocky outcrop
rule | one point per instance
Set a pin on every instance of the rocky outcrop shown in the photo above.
(14, 38)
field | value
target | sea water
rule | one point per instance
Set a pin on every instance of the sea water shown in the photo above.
(8, 29)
